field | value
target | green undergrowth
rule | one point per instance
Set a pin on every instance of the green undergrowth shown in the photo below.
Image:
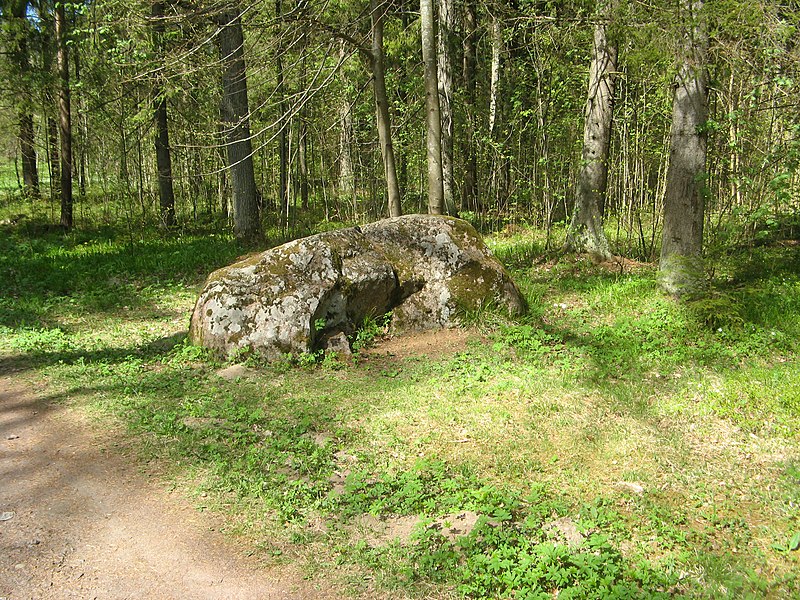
(662, 434)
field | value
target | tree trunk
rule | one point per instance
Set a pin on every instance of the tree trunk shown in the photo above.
(346, 178)
(84, 138)
(681, 264)
(445, 81)
(20, 62)
(64, 117)
(53, 162)
(236, 120)
(433, 113)
(30, 171)
(383, 121)
(586, 230)
(283, 138)
(166, 193)
(494, 85)
(223, 187)
(302, 129)
(469, 198)
(302, 158)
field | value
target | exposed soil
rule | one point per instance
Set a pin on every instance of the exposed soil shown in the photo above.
(621, 265)
(421, 344)
(81, 519)
(78, 519)
(617, 264)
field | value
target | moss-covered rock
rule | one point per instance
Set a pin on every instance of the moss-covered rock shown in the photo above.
(292, 298)
(444, 266)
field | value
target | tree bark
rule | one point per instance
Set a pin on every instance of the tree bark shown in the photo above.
(166, 193)
(84, 138)
(681, 263)
(445, 81)
(223, 188)
(383, 121)
(30, 171)
(283, 138)
(500, 165)
(64, 117)
(586, 230)
(469, 198)
(236, 120)
(494, 85)
(53, 160)
(302, 129)
(346, 177)
(20, 62)
(433, 113)
(302, 159)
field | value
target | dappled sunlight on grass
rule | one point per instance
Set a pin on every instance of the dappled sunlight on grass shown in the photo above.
(40, 277)
(666, 434)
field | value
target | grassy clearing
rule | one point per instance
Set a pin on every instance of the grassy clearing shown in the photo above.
(612, 443)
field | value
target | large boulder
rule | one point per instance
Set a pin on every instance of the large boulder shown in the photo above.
(297, 297)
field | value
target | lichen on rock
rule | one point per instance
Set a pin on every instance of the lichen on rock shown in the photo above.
(292, 298)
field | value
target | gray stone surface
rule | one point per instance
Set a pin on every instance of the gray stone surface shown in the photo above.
(293, 298)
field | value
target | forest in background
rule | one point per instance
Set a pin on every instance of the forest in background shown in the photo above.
(662, 433)
(192, 114)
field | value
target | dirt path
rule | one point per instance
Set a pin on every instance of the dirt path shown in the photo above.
(78, 521)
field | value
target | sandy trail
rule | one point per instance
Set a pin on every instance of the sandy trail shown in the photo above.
(87, 523)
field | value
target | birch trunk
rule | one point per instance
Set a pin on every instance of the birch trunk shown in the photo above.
(681, 263)
(469, 198)
(283, 138)
(433, 114)
(445, 81)
(494, 85)
(346, 178)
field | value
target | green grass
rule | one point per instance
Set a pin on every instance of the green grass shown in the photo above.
(604, 386)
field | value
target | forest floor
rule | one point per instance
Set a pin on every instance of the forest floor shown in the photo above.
(610, 443)
(79, 518)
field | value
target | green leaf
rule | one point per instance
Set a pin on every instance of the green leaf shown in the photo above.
(794, 542)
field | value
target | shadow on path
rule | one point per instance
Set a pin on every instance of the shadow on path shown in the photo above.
(87, 524)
